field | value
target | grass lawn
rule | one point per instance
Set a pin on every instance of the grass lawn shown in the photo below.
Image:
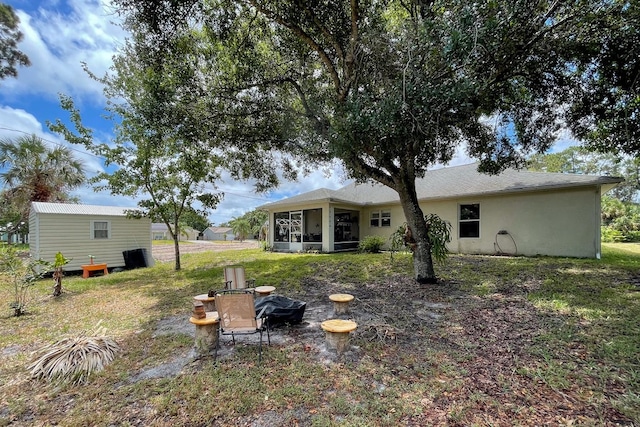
(500, 341)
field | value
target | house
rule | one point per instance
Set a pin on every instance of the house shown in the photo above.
(105, 232)
(160, 231)
(218, 233)
(516, 212)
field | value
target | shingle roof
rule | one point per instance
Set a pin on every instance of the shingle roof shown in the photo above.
(220, 229)
(453, 182)
(72, 209)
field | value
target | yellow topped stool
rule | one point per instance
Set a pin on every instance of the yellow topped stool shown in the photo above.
(263, 291)
(337, 333)
(208, 302)
(206, 332)
(341, 302)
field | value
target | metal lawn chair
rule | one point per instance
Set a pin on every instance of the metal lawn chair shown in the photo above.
(235, 278)
(237, 314)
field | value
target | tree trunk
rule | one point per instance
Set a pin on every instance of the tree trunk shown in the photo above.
(422, 261)
(57, 280)
(176, 246)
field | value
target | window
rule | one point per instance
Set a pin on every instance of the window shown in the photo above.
(470, 220)
(375, 219)
(380, 219)
(100, 229)
(386, 218)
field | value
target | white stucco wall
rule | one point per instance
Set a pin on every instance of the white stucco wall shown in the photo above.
(557, 223)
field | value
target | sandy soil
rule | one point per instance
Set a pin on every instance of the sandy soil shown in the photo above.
(166, 253)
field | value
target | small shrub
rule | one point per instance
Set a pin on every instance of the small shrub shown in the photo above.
(610, 235)
(371, 244)
(22, 275)
(264, 245)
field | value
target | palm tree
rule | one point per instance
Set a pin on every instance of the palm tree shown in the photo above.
(240, 227)
(36, 173)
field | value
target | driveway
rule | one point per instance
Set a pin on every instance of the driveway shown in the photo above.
(166, 253)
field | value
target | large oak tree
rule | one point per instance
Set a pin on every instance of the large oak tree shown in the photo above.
(390, 88)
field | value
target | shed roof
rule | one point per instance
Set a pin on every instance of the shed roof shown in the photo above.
(75, 209)
(451, 182)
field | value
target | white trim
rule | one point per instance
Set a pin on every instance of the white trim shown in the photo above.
(92, 229)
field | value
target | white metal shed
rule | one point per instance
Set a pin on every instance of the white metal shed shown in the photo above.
(78, 231)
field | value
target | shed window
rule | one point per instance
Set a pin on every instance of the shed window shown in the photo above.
(469, 220)
(100, 229)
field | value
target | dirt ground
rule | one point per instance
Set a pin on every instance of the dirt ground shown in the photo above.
(166, 253)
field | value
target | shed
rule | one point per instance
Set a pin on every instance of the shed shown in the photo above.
(78, 231)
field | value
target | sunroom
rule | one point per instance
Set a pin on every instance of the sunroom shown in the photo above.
(322, 229)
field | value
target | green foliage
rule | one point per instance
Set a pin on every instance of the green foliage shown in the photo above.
(620, 220)
(264, 245)
(60, 260)
(10, 36)
(22, 275)
(240, 227)
(439, 232)
(388, 88)
(57, 265)
(36, 173)
(371, 244)
(605, 107)
(582, 161)
(610, 235)
(195, 219)
(396, 240)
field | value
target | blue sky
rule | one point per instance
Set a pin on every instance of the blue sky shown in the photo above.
(59, 35)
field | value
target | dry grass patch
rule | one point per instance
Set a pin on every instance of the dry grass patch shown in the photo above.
(500, 341)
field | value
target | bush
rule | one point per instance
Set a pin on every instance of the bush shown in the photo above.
(371, 244)
(610, 235)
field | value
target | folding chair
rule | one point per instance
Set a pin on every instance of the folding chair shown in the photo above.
(237, 314)
(234, 278)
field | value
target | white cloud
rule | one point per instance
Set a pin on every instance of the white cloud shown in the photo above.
(57, 43)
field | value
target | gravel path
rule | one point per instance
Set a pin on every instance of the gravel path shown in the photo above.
(166, 253)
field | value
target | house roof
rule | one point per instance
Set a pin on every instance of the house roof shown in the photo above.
(161, 226)
(220, 229)
(75, 209)
(452, 182)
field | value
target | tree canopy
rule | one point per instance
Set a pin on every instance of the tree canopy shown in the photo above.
(605, 102)
(580, 160)
(10, 36)
(390, 88)
(34, 172)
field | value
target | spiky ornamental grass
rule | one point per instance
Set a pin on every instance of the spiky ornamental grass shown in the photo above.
(74, 359)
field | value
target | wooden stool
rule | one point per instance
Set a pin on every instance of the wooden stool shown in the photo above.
(337, 333)
(206, 333)
(86, 269)
(341, 303)
(208, 302)
(263, 291)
